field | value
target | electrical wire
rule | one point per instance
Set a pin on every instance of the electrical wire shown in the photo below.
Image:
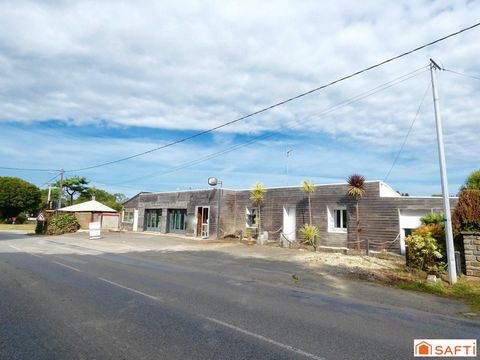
(279, 103)
(26, 169)
(408, 134)
(48, 181)
(462, 74)
(266, 108)
(323, 113)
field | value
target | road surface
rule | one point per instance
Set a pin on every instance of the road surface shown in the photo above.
(63, 301)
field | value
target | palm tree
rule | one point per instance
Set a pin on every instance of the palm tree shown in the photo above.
(308, 187)
(357, 191)
(257, 195)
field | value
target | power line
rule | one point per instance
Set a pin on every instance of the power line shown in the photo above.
(48, 181)
(26, 169)
(325, 112)
(462, 74)
(279, 103)
(408, 134)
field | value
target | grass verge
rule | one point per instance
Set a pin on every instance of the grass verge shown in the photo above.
(17, 227)
(469, 292)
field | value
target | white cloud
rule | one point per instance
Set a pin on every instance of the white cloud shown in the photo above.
(194, 65)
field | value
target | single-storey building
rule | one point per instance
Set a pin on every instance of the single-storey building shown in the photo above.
(93, 211)
(386, 217)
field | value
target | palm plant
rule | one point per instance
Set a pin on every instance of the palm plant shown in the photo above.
(257, 196)
(308, 187)
(309, 233)
(356, 190)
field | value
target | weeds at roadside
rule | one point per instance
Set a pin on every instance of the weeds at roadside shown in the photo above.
(468, 292)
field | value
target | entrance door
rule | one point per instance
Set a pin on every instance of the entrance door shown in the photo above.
(289, 222)
(153, 219)
(176, 220)
(203, 220)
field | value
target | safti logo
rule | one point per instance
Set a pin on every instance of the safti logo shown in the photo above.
(445, 347)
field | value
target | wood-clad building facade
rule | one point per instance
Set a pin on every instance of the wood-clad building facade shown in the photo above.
(385, 216)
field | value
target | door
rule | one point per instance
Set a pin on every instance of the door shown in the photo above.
(176, 220)
(289, 222)
(153, 219)
(135, 220)
(203, 220)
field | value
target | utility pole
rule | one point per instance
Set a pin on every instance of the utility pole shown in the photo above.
(452, 270)
(60, 189)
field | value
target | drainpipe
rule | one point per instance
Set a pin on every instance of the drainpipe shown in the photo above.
(219, 196)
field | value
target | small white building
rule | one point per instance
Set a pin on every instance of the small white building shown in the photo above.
(93, 211)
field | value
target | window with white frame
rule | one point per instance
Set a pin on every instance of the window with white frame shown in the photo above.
(127, 216)
(337, 219)
(251, 217)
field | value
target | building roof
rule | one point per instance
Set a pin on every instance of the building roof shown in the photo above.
(88, 206)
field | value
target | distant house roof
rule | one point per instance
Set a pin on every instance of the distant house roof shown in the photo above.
(88, 206)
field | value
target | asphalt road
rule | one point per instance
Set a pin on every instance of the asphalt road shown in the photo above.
(59, 301)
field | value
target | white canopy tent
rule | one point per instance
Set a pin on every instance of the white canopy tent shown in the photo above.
(89, 206)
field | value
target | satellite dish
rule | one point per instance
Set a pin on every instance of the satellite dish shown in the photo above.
(212, 181)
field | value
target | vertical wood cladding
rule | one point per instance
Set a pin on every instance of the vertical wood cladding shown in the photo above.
(379, 216)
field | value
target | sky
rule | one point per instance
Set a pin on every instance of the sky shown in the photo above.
(85, 83)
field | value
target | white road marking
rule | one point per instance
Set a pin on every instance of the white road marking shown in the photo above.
(219, 322)
(25, 251)
(130, 289)
(67, 266)
(263, 338)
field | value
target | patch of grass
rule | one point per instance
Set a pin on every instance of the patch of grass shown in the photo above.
(468, 292)
(432, 288)
(17, 227)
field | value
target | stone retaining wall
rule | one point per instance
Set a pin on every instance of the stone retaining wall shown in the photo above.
(471, 243)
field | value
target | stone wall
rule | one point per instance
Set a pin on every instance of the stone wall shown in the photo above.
(471, 243)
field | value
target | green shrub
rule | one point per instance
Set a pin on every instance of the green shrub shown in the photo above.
(309, 234)
(466, 216)
(424, 253)
(433, 218)
(61, 224)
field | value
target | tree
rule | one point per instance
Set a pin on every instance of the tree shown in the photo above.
(257, 196)
(74, 186)
(356, 190)
(16, 196)
(53, 197)
(111, 200)
(472, 182)
(308, 187)
(466, 215)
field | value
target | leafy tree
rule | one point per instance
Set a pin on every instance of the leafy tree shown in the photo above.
(74, 186)
(472, 182)
(102, 196)
(16, 196)
(357, 191)
(308, 187)
(466, 215)
(257, 196)
(53, 197)
(120, 198)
